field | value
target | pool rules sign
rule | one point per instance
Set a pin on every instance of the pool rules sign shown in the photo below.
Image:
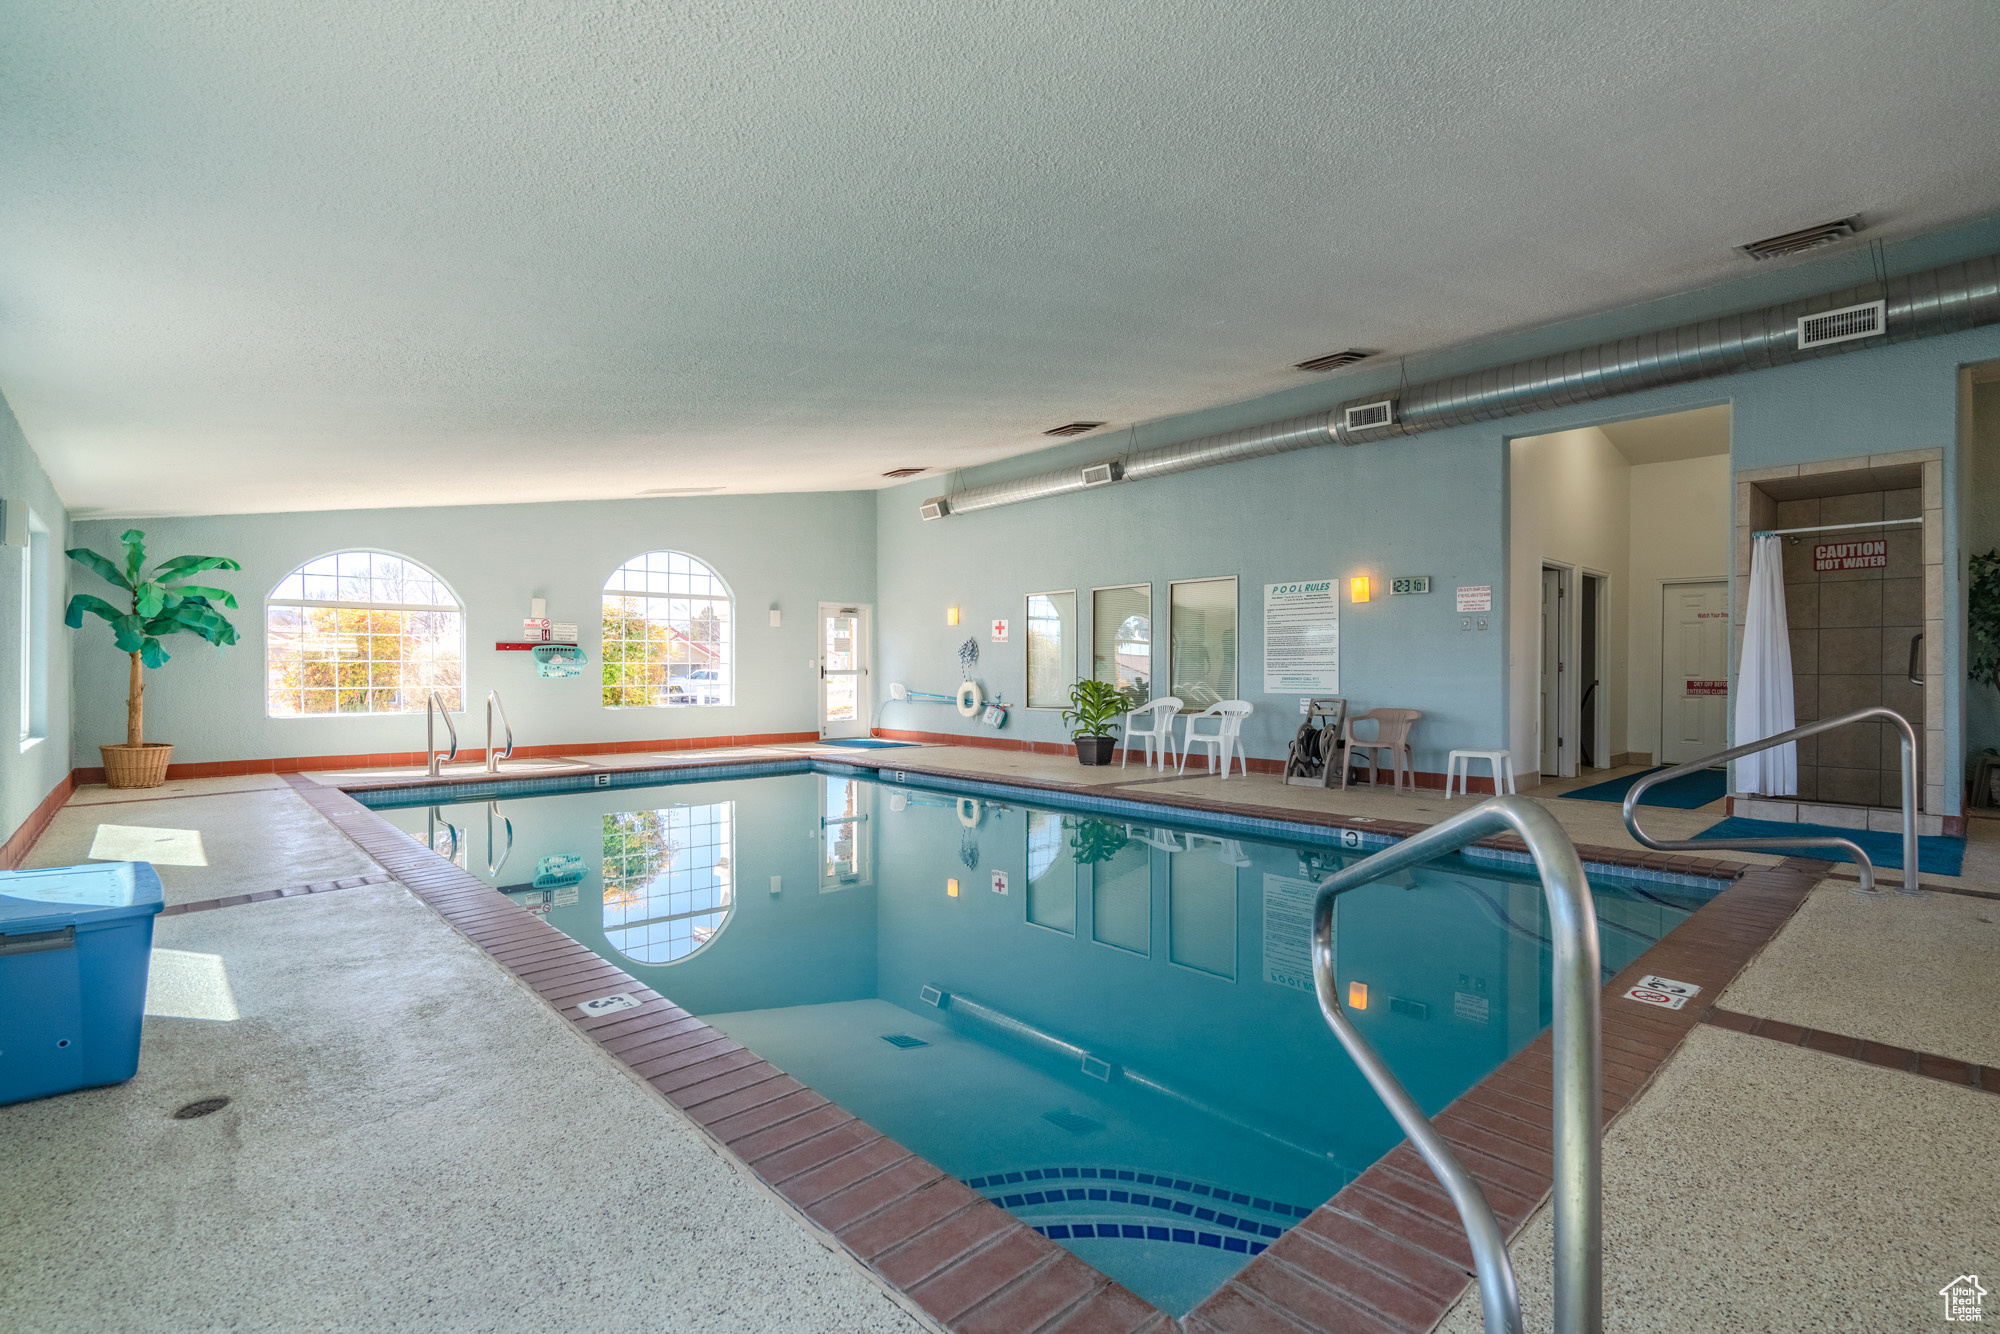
(1301, 637)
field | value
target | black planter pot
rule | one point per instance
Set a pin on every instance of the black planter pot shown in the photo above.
(1094, 749)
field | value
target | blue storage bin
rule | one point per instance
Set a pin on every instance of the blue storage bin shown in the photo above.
(75, 942)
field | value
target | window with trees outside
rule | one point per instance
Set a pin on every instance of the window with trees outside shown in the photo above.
(361, 632)
(669, 880)
(668, 622)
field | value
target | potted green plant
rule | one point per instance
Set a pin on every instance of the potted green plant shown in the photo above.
(162, 603)
(1096, 841)
(1093, 714)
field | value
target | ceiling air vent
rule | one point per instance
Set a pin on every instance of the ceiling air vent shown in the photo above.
(1843, 325)
(1333, 361)
(1369, 415)
(905, 472)
(936, 508)
(1806, 238)
(1072, 428)
(1102, 474)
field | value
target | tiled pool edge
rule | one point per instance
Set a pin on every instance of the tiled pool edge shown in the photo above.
(1384, 1255)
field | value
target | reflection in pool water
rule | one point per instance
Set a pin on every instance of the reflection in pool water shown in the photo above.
(1105, 1026)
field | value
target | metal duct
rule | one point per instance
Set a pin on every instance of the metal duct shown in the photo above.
(1253, 442)
(1947, 299)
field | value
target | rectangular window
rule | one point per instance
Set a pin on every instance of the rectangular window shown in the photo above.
(1201, 912)
(1051, 631)
(34, 633)
(1051, 872)
(844, 834)
(1121, 639)
(1203, 627)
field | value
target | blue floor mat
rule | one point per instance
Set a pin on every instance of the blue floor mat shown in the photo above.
(862, 742)
(1936, 855)
(1682, 794)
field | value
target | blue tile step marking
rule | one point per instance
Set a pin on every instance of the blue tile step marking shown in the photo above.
(1032, 1179)
(1153, 1232)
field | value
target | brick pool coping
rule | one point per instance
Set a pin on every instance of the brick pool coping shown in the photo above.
(1384, 1256)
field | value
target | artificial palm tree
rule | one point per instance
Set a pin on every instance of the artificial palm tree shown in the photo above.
(162, 603)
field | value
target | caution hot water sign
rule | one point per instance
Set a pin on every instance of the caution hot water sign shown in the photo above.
(1870, 555)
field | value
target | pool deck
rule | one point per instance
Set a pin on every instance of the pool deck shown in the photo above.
(1806, 1145)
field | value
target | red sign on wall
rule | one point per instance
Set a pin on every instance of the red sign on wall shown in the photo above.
(1869, 555)
(1708, 687)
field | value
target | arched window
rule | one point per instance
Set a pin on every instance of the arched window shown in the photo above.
(361, 632)
(669, 879)
(668, 629)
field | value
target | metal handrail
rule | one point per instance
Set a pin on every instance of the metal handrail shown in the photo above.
(492, 866)
(432, 709)
(1579, 1074)
(494, 757)
(1912, 881)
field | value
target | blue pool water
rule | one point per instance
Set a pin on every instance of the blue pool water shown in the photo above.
(1103, 1023)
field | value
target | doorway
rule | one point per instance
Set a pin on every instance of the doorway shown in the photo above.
(1694, 670)
(1556, 762)
(843, 670)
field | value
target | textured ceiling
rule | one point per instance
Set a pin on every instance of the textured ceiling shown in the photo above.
(279, 255)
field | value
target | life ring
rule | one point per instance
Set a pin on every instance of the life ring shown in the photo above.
(970, 700)
(969, 812)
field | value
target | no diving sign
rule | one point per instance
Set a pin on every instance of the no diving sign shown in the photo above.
(1664, 992)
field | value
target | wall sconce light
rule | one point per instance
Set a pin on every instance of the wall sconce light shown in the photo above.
(1357, 588)
(951, 889)
(951, 616)
(1357, 995)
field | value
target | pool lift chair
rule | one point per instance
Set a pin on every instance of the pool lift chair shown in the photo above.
(1575, 1046)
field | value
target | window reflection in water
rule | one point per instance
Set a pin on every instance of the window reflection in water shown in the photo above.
(669, 880)
(843, 833)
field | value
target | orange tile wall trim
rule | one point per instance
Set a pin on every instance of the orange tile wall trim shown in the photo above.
(17, 844)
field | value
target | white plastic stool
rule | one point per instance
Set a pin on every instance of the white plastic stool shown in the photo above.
(1458, 768)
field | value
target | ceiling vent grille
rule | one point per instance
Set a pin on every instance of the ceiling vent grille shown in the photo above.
(1072, 428)
(935, 509)
(1369, 415)
(1806, 238)
(1842, 326)
(1102, 474)
(1333, 361)
(905, 472)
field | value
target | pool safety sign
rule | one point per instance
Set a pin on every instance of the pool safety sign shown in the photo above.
(1664, 992)
(1707, 688)
(608, 1005)
(1301, 637)
(1870, 555)
(1288, 924)
(999, 882)
(1475, 597)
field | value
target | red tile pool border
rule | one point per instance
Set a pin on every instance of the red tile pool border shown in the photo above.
(1384, 1255)
(1946, 1069)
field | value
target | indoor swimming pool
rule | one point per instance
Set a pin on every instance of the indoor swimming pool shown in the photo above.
(1103, 1023)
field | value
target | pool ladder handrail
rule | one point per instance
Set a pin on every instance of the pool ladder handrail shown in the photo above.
(432, 708)
(1579, 1073)
(1912, 878)
(493, 757)
(493, 865)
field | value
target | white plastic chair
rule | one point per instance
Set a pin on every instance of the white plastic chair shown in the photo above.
(1225, 742)
(1155, 733)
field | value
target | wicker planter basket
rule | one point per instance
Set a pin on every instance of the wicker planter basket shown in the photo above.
(136, 766)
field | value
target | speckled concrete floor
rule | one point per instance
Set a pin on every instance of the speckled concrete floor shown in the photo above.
(1912, 972)
(265, 838)
(413, 1143)
(1760, 1187)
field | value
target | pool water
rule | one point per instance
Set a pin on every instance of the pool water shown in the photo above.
(1105, 1026)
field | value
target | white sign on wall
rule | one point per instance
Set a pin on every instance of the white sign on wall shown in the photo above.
(1476, 597)
(1288, 918)
(1301, 636)
(999, 632)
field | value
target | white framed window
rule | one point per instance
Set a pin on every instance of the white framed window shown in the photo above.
(1121, 639)
(1051, 633)
(362, 632)
(34, 633)
(1202, 623)
(669, 633)
(669, 880)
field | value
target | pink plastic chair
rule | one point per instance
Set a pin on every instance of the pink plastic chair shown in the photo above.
(1392, 734)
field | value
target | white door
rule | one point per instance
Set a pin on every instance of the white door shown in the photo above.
(843, 670)
(1694, 671)
(1555, 666)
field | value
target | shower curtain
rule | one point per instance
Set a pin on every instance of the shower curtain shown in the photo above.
(1764, 705)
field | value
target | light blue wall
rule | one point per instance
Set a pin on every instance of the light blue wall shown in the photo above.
(785, 550)
(1430, 504)
(27, 776)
